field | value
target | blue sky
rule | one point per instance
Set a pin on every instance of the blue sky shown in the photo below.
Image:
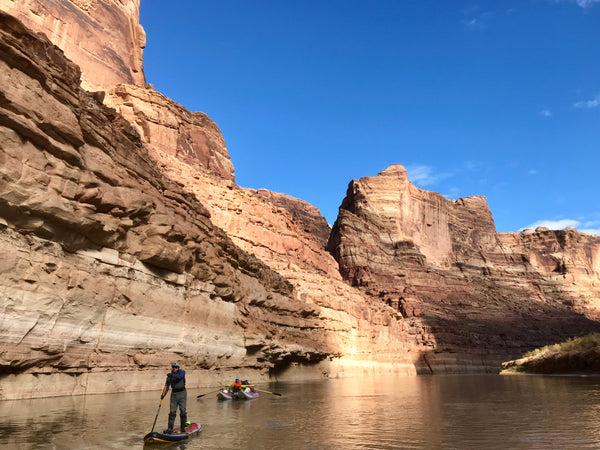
(492, 98)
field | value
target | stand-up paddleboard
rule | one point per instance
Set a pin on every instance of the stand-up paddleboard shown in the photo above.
(165, 438)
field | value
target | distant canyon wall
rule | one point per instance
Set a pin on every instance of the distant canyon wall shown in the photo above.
(441, 263)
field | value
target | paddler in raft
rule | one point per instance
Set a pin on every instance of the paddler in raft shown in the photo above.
(176, 381)
(237, 385)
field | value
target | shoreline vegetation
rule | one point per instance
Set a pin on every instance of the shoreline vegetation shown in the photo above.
(574, 356)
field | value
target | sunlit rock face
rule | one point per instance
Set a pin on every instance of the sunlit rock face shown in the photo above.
(111, 269)
(568, 262)
(304, 212)
(128, 244)
(364, 335)
(170, 129)
(107, 265)
(104, 37)
(480, 295)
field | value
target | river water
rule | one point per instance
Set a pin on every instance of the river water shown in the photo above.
(428, 412)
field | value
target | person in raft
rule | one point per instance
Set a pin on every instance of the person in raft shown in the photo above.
(237, 385)
(176, 381)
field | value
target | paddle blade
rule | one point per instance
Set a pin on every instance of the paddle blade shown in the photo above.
(211, 392)
(267, 392)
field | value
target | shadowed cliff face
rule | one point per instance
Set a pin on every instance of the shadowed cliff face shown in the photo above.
(443, 266)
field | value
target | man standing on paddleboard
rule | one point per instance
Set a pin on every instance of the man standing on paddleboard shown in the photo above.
(176, 381)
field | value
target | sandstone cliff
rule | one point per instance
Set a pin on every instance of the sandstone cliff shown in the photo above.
(170, 129)
(110, 269)
(288, 235)
(127, 243)
(302, 211)
(104, 37)
(483, 296)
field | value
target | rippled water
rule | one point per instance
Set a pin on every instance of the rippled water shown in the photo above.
(437, 412)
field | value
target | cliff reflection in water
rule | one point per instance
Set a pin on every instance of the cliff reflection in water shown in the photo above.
(480, 411)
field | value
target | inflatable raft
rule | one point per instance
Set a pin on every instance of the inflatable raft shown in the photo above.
(225, 394)
(247, 394)
(243, 394)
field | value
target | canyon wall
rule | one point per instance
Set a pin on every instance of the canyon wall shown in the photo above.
(288, 235)
(168, 128)
(482, 295)
(104, 37)
(127, 243)
(111, 269)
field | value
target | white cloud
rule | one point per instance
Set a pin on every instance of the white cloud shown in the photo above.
(475, 19)
(589, 226)
(591, 231)
(532, 172)
(546, 113)
(588, 104)
(453, 193)
(560, 224)
(582, 3)
(422, 175)
(586, 3)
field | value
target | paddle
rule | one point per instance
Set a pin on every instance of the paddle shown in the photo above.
(211, 392)
(159, 405)
(267, 392)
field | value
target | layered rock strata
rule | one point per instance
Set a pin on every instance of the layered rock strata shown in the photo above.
(370, 337)
(484, 297)
(167, 128)
(104, 37)
(129, 246)
(110, 269)
(302, 211)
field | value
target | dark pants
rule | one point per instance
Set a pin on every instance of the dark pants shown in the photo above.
(178, 399)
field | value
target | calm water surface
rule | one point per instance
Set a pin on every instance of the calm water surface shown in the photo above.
(437, 412)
